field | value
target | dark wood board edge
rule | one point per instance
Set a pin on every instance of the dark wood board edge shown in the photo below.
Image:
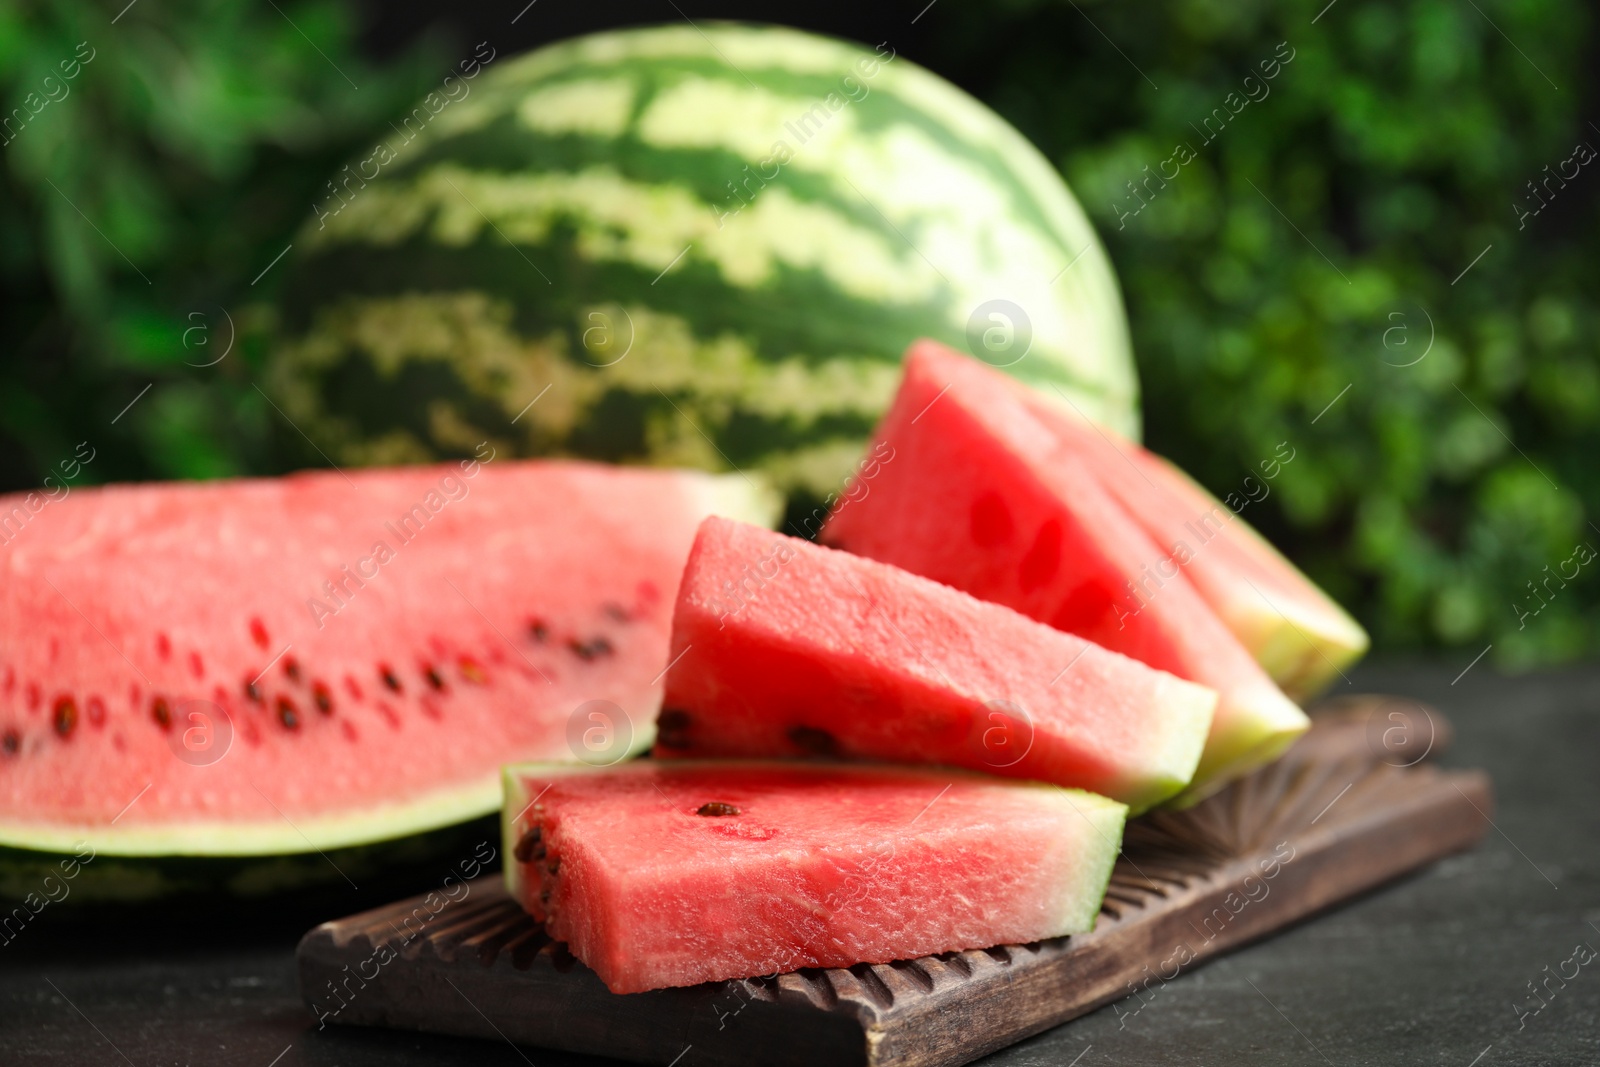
(455, 992)
(1191, 926)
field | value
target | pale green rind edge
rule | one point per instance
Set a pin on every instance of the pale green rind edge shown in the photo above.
(514, 802)
(1305, 670)
(1106, 818)
(746, 496)
(1177, 751)
(1268, 745)
(430, 811)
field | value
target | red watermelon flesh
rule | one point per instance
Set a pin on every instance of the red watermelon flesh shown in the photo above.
(980, 494)
(1295, 631)
(674, 873)
(280, 665)
(785, 648)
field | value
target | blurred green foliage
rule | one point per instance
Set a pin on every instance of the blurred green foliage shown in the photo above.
(141, 191)
(1312, 243)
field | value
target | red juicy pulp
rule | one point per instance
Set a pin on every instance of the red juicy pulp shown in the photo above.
(841, 655)
(1253, 588)
(982, 496)
(545, 585)
(805, 865)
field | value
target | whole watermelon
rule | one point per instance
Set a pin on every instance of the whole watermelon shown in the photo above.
(671, 246)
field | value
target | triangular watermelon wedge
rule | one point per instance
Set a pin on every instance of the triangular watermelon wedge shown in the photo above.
(299, 664)
(978, 491)
(785, 648)
(674, 873)
(1298, 633)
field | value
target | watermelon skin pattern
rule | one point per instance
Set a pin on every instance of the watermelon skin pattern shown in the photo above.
(983, 496)
(363, 650)
(673, 874)
(782, 648)
(710, 247)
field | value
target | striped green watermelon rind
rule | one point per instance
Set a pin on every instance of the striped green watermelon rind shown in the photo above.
(567, 231)
(54, 879)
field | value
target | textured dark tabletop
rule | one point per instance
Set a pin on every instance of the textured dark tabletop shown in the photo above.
(1440, 968)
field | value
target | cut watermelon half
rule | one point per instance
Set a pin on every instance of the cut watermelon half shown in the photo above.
(671, 874)
(981, 494)
(785, 648)
(285, 665)
(1293, 629)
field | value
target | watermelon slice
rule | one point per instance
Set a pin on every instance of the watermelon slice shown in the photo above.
(981, 494)
(785, 648)
(286, 665)
(670, 874)
(1295, 631)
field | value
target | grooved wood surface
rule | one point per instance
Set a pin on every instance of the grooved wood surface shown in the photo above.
(1352, 805)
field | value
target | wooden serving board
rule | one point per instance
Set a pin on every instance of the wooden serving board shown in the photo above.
(1351, 806)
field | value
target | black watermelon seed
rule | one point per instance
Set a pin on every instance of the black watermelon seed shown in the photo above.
(716, 808)
(291, 668)
(814, 742)
(528, 846)
(592, 649)
(323, 697)
(554, 866)
(389, 678)
(287, 714)
(65, 716)
(161, 712)
(672, 728)
(252, 691)
(538, 630)
(433, 677)
(11, 742)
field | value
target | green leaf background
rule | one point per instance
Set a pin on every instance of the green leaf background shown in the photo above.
(1307, 256)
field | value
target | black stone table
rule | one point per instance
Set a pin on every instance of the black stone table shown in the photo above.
(1441, 968)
